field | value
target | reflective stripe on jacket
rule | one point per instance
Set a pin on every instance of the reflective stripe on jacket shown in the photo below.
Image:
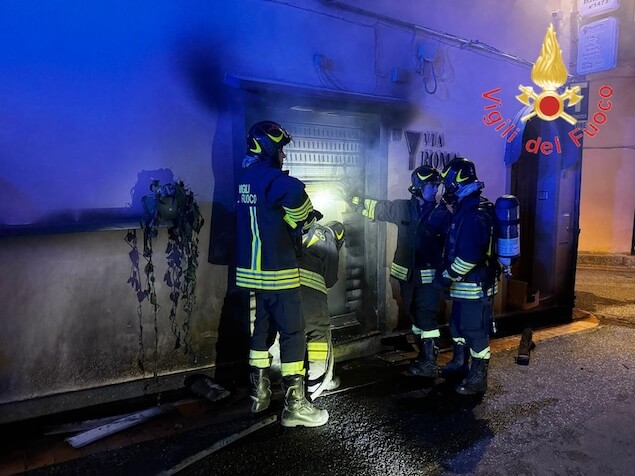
(320, 259)
(468, 252)
(270, 212)
(420, 235)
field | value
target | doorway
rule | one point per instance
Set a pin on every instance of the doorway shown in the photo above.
(336, 154)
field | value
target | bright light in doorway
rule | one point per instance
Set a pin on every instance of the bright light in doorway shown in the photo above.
(323, 199)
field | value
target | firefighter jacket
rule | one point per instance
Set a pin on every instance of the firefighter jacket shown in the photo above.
(468, 259)
(320, 259)
(271, 211)
(420, 235)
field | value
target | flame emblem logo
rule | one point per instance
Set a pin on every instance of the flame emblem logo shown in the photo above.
(550, 73)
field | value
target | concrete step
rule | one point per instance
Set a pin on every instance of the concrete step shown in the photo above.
(606, 259)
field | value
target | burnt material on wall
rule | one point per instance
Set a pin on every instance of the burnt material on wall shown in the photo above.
(226, 160)
(232, 346)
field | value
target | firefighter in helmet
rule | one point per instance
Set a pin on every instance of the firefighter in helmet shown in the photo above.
(318, 272)
(421, 227)
(272, 210)
(469, 275)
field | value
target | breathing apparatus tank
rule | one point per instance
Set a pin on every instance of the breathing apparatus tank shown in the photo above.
(507, 210)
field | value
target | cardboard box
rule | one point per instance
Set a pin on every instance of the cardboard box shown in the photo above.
(521, 296)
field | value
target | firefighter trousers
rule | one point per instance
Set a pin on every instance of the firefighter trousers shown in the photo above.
(316, 314)
(422, 303)
(318, 320)
(281, 312)
(471, 319)
(426, 303)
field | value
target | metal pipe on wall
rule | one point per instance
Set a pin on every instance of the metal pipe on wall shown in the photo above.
(462, 42)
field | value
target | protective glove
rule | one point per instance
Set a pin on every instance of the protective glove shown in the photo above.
(355, 202)
(441, 283)
(315, 215)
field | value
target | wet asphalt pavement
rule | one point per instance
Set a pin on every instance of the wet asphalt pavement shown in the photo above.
(570, 412)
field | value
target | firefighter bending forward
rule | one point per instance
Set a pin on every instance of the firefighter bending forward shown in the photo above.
(469, 273)
(318, 272)
(272, 211)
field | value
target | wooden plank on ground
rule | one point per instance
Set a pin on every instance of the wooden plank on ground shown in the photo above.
(84, 425)
(87, 437)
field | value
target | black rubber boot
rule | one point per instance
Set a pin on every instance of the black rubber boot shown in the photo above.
(260, 389)
(426, 363)
(458, 366)
(298, 411)
(476, 381)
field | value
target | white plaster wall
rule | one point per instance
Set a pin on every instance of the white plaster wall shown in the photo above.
(608, 170)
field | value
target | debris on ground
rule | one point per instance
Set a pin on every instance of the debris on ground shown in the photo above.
(206, 387)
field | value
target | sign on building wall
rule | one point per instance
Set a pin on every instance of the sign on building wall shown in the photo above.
(597, 46)
(580, 110)
(591, 8)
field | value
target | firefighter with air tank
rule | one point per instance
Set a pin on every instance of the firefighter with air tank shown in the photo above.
(476, 242)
